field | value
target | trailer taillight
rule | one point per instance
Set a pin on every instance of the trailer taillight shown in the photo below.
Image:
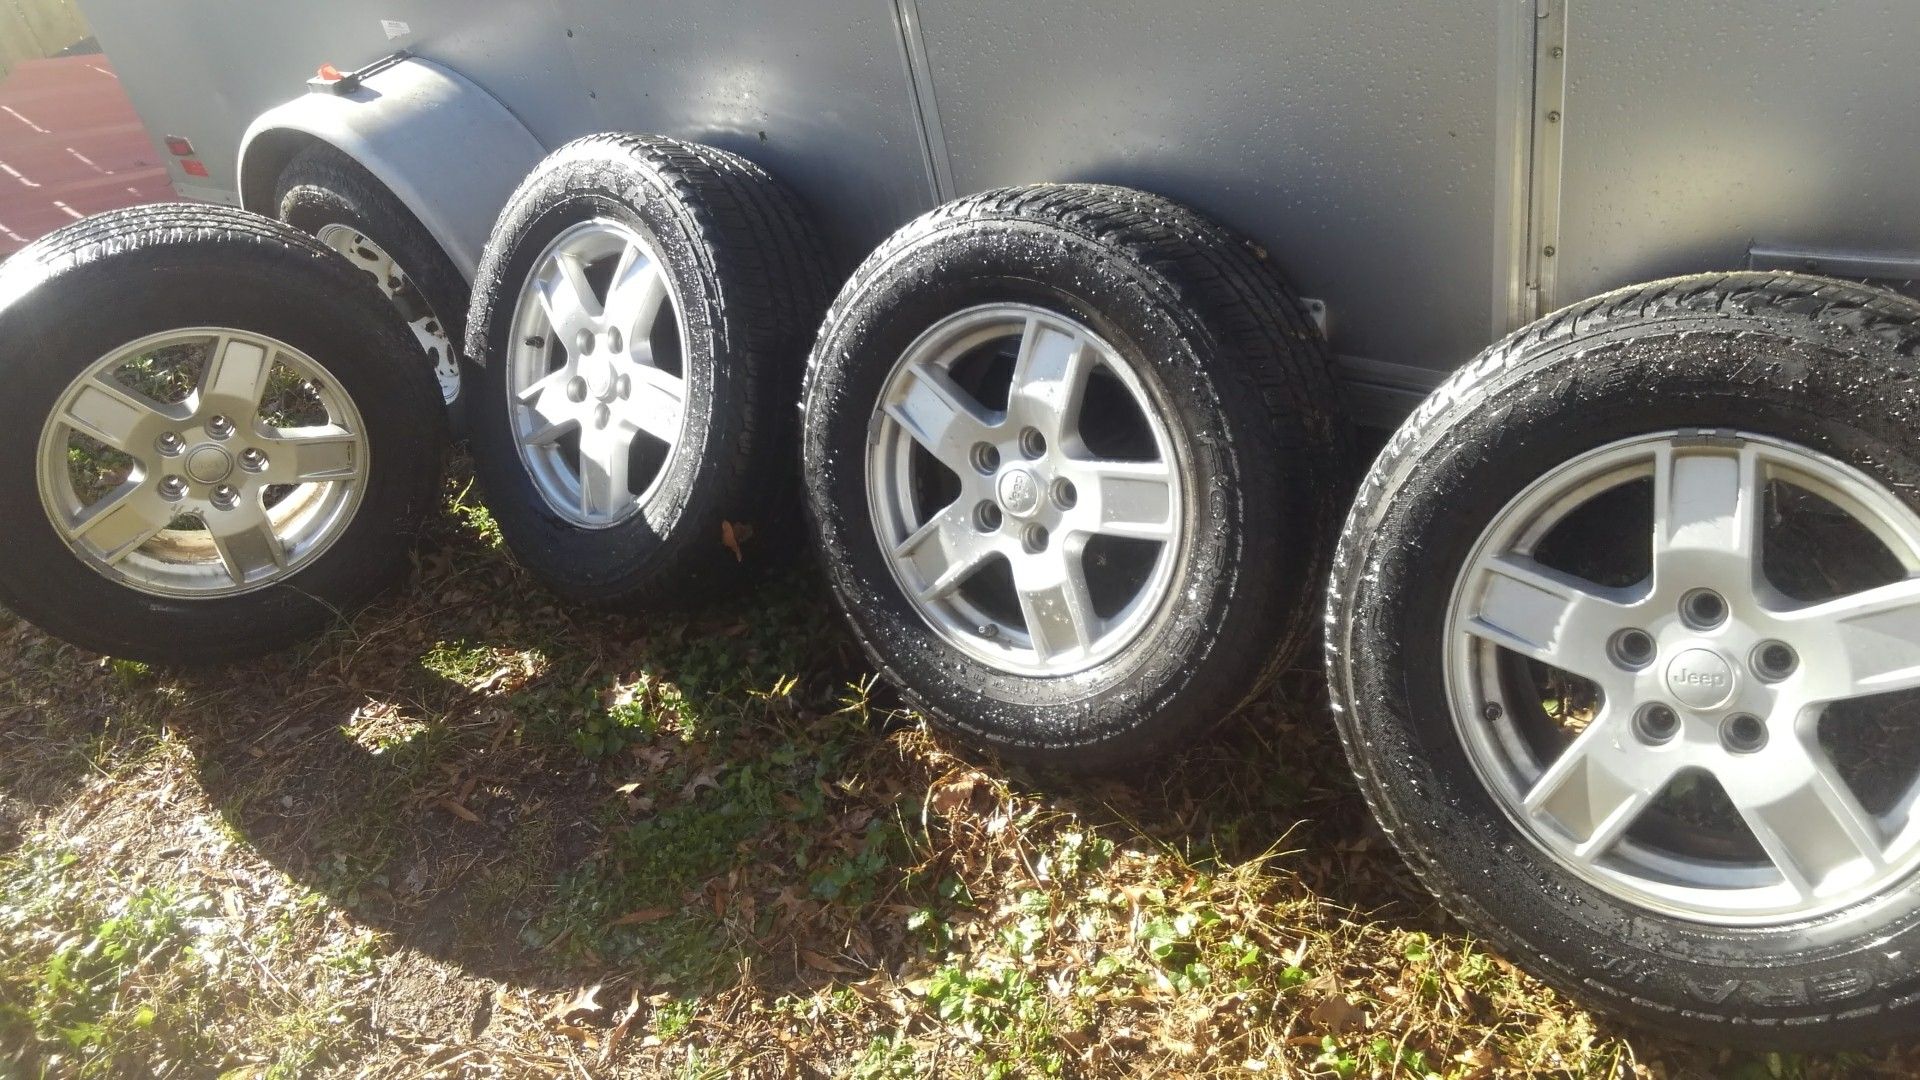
(193, 167)
(329, 73)
(179, 147)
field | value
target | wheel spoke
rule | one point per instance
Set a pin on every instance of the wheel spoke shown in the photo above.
(604, 457)
(1599, 785)
(1806, 817)
(1055, 603)
(1547, 615)
(1131, 499)
(236, 379)
(658, 403)
(944, 552)
(942, 417)
(122, 522)
(112, 414)
(1049, 380)
(1872, 637)
(248, 546)
(568, 297)
(548, 402)
(311, 455)
(1707, 515)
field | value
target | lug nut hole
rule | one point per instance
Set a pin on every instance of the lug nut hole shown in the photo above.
(1743, 733)
(1032, 443)
(1656, 723)
(1035, 539)
(1774, 660)
(1703, 609)
(986, 458)
(1065, 495)
(986, 517)
(1632, 649)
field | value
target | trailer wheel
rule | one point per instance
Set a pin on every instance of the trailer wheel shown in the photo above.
(331, 196)
(1072, 454)
(642, 310)
(1625, 649)
(208, 446)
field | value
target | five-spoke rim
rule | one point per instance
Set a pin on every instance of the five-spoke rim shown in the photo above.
(401, 289)
(1705, 668)
(1025, 490)
(202, 462)
(596, 387)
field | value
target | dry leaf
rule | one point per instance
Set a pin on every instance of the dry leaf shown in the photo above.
(586, 1001)
(642, 915)
(733, 536)
(823, 963)
(621, 1027)
(459, 811)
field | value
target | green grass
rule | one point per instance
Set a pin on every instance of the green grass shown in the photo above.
(475, 831)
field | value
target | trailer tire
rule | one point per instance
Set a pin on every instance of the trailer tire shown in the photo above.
(325, 193)
(1656, 910)
(642, 457)
(1163, 525)
(170, 362)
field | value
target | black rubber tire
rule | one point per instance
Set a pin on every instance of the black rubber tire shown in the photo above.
(81, 292)
(1827, 365)
(1239, 373)
(751, 281)
(323, 186)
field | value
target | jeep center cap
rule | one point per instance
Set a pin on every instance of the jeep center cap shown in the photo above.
(1700, 678)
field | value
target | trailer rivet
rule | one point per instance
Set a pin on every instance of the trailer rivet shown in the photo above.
(1557, 52)
(1553, 116)
(1547, 251)
(1493, 711)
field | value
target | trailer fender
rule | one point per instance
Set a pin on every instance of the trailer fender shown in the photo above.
(445, 147)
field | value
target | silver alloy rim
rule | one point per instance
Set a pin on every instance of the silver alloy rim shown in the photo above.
(588, 398)
(1031, 492)
(248, 470)
(1705, 691)
(400, 288)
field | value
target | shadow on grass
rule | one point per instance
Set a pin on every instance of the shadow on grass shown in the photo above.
(720, 822)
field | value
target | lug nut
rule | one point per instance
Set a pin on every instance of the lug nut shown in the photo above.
(985, 457)
(172, 488)
(601, 415)
(1703, 609)
(583, 342)
(613, 339)
(1632, 649)
(170, 444)
(1032, 443)
(576, 389)
(1035, 538)
(986, 517)
(253, 459)
(226, 497)
(1656, 723)
(220, 427)
(1774, 660)
(1065, 495)
(1743, 733)
(623, 386)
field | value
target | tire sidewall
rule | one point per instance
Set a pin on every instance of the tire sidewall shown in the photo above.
(61, 331)
(1765, 376)
(1058, 271)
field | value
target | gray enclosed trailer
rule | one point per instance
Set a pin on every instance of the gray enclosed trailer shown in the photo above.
(1434, 174)
(1623, 629)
